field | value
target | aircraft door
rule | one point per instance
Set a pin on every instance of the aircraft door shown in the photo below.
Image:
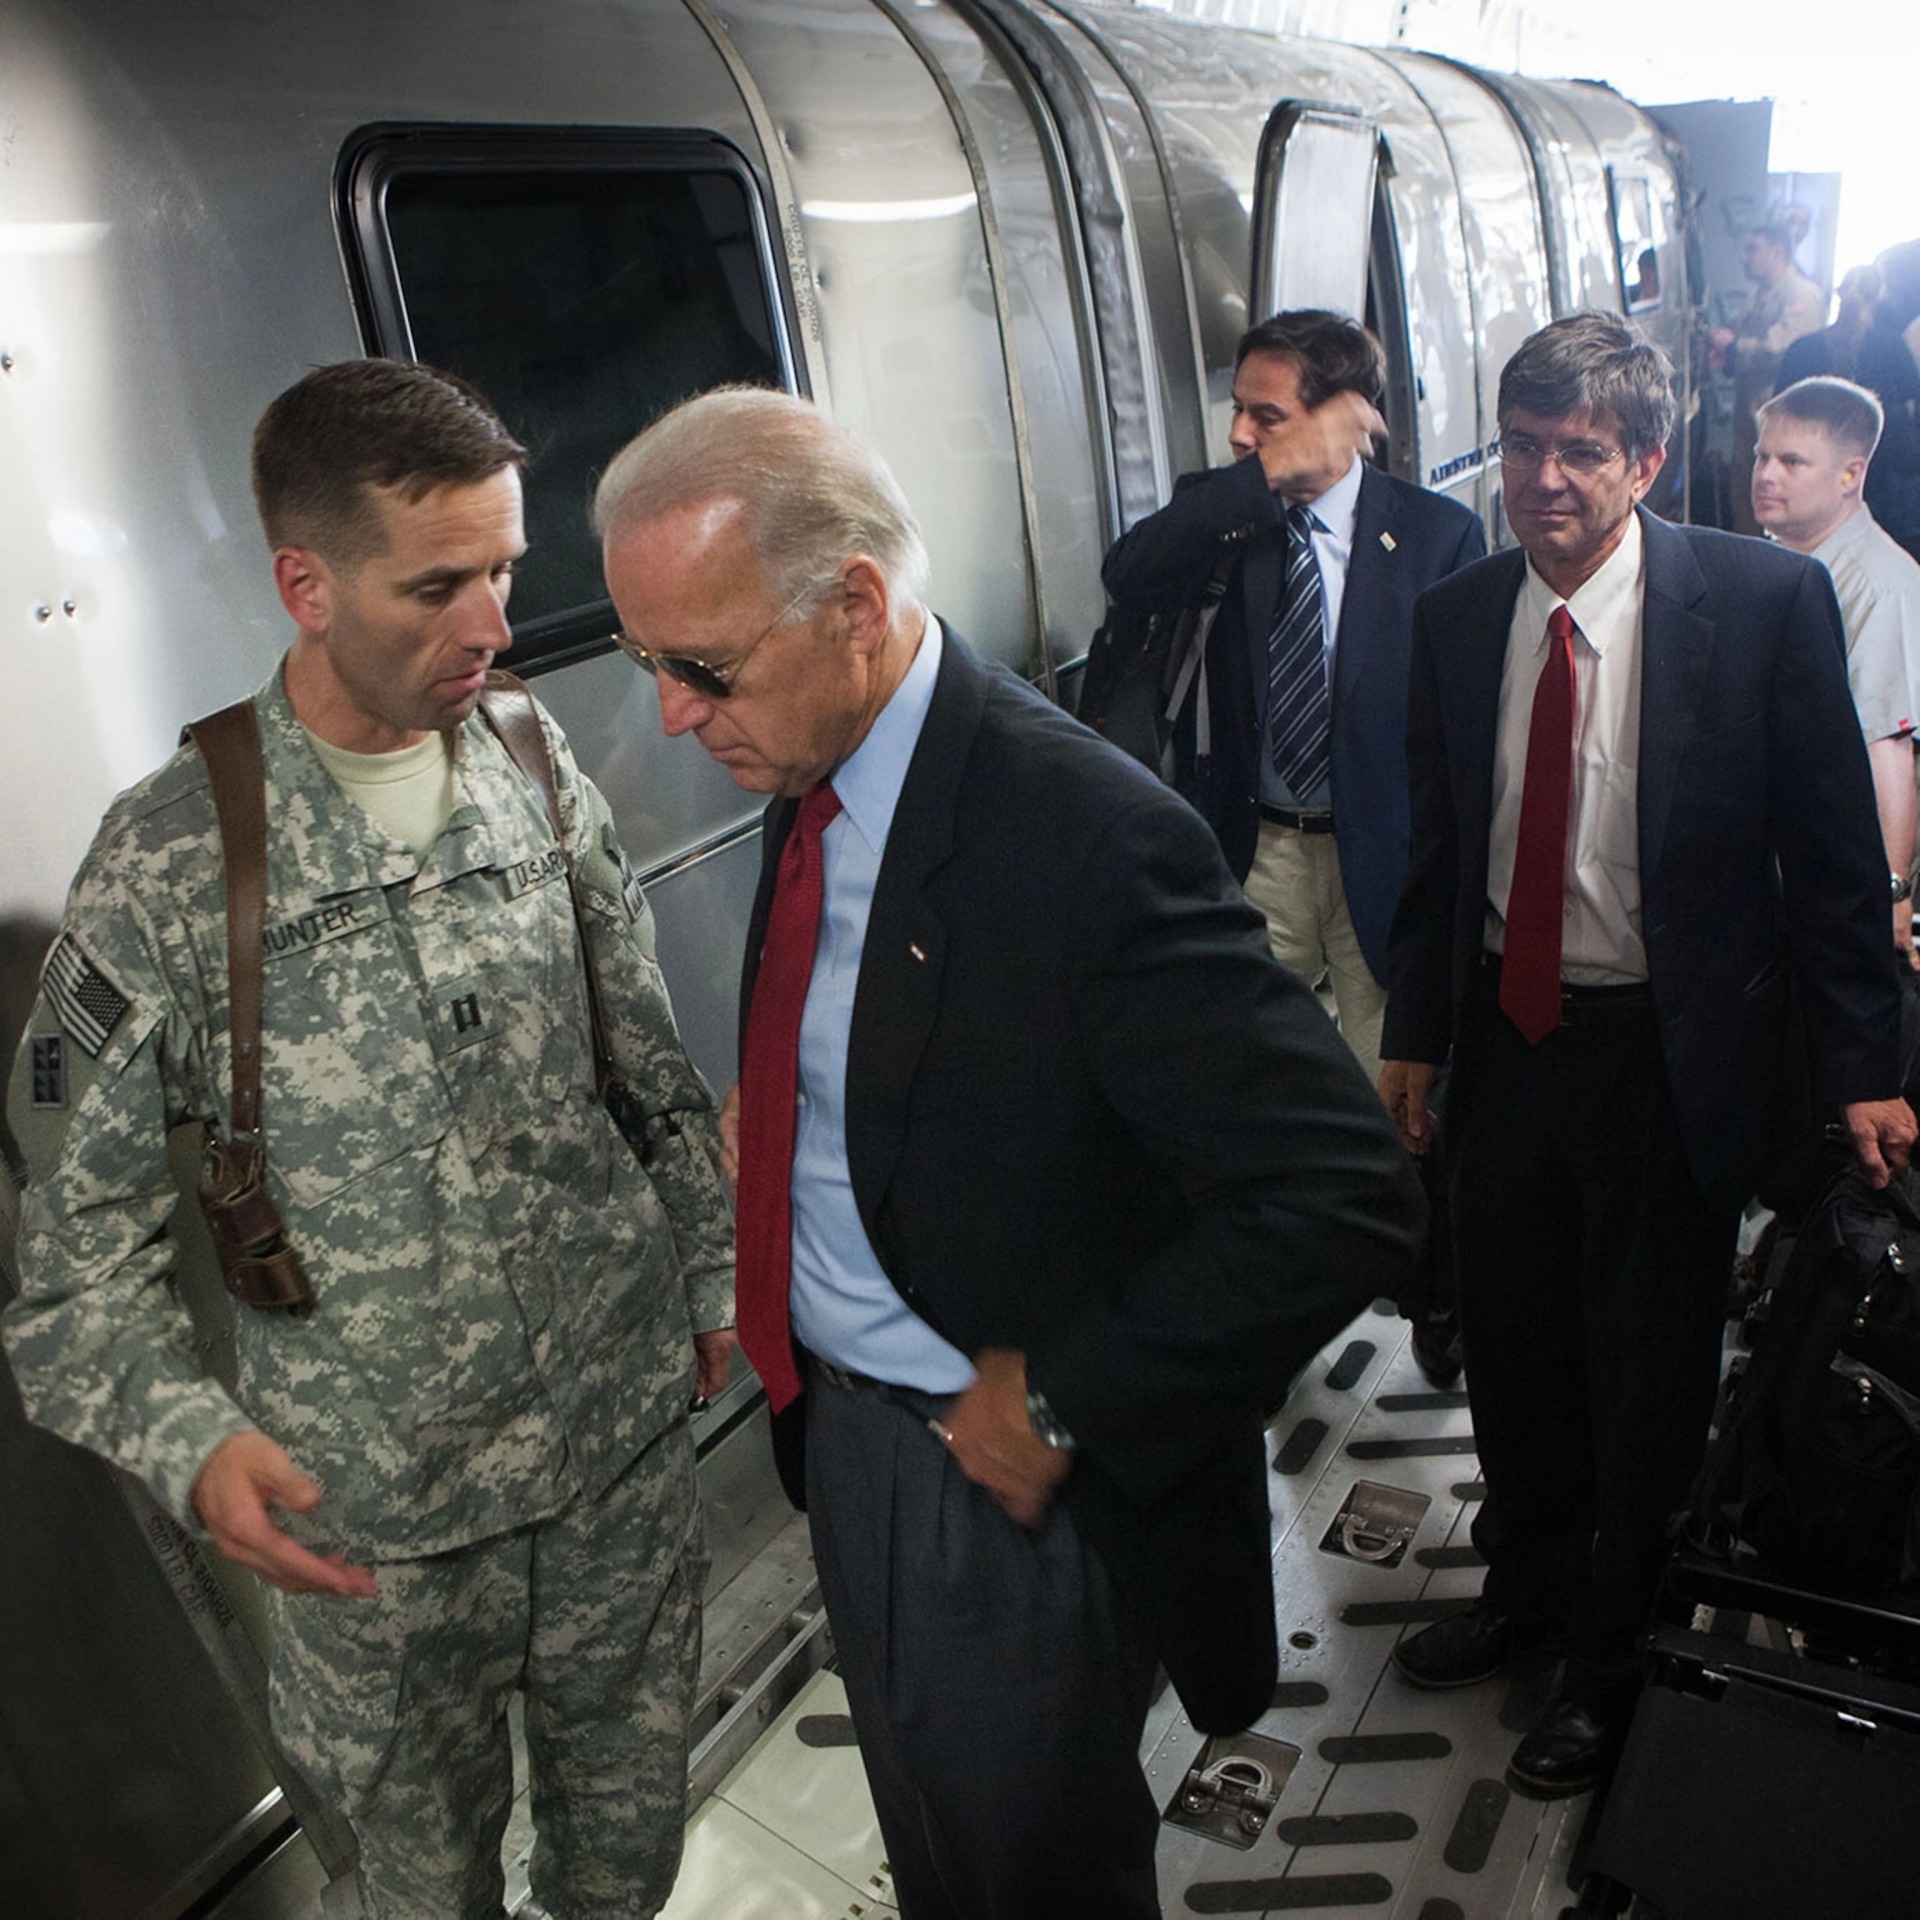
(1313, 209)
(1324, 236)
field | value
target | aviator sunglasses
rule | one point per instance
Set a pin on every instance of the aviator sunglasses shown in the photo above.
(705, 679)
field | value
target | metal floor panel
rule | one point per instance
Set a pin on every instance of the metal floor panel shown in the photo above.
(1398, 1804)
(790, 1833)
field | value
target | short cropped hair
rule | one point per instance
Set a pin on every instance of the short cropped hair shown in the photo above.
(1592, 363)
(811, 494)
(1334, 354)
(1851, 416)
(323, 448)
(1776, 233)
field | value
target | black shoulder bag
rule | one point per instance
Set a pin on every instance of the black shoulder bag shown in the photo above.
(1141, 668)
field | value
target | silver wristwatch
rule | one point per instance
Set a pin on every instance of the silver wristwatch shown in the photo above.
(1046, 1423)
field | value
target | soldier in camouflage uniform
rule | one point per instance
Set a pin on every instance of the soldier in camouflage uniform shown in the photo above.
(469, 1470)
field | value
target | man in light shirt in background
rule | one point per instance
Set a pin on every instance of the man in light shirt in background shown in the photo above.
(1817, 438)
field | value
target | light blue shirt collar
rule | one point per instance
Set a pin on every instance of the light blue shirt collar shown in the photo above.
(870, 779)
(845, 1309)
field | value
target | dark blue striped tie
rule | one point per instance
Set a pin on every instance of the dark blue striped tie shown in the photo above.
(1299, 709)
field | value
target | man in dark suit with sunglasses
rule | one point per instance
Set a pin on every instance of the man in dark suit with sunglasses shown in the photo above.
(1049, 1177)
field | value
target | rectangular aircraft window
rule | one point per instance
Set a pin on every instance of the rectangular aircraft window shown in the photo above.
(1638, 238)
(585, 283)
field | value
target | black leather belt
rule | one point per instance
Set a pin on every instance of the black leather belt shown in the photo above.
(1581, 1006)
(845, 1377)
(928, 1407)
(1313, 820)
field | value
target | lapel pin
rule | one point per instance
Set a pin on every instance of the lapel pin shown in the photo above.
(1388, 541)
(918, 951)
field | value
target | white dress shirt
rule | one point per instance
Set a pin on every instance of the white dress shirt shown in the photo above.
(1600, 936)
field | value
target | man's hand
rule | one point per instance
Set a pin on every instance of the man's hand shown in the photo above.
(712, 1363)
(1882, 1132)
(993, 1442)
(1405, 1087)
(1370, 425)
(244, 1477)
(730, 1136)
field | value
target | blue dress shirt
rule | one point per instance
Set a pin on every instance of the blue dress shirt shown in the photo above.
(844, 1308)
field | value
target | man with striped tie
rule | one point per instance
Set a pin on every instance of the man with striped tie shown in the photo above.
(1643, 824)
(1306, 675)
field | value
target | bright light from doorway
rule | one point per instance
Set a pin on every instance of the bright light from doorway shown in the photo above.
(1844, 77)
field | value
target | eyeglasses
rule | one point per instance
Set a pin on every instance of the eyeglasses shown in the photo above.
(707, 680)
(1524, 454)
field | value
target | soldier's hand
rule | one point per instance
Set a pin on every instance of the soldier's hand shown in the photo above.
(993, 1442)
(712, 1365)
(244, 1478)
(730, 1135)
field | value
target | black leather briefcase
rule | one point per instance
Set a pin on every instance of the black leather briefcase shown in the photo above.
(1762, 1785)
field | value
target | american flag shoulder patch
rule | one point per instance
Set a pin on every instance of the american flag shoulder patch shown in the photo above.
(90, 1006)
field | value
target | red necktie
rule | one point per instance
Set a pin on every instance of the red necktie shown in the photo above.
(769, 1088)
(1530, 970)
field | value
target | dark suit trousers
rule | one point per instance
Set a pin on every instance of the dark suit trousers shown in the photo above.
(998, 1702)
(1592, 1278)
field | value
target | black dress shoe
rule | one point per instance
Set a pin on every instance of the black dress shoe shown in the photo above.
(1466, 1648)
(1436, 1348)
(1571, 1749)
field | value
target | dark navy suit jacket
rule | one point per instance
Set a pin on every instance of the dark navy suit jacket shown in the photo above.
(1404, 539)
(1762, 873)
(1090, 1118)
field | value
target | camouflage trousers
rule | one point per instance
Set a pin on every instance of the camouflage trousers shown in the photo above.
(395, 1709)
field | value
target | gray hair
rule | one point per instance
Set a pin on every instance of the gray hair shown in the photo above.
(1593, 363)
(1850, 416)
(811, 495)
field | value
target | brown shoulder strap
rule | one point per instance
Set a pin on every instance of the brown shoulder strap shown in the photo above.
(507, 707)
(260, 1268)
(229, 742)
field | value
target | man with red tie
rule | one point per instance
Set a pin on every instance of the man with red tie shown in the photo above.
(1049, 1176)
(1642, 822)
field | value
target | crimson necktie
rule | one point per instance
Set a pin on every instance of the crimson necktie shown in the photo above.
(769, 1087)
(1530, 971)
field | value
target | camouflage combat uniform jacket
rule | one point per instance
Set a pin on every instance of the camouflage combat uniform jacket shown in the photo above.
(505, 1298)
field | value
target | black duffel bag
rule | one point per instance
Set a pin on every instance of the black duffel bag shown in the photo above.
(1817, 1465)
